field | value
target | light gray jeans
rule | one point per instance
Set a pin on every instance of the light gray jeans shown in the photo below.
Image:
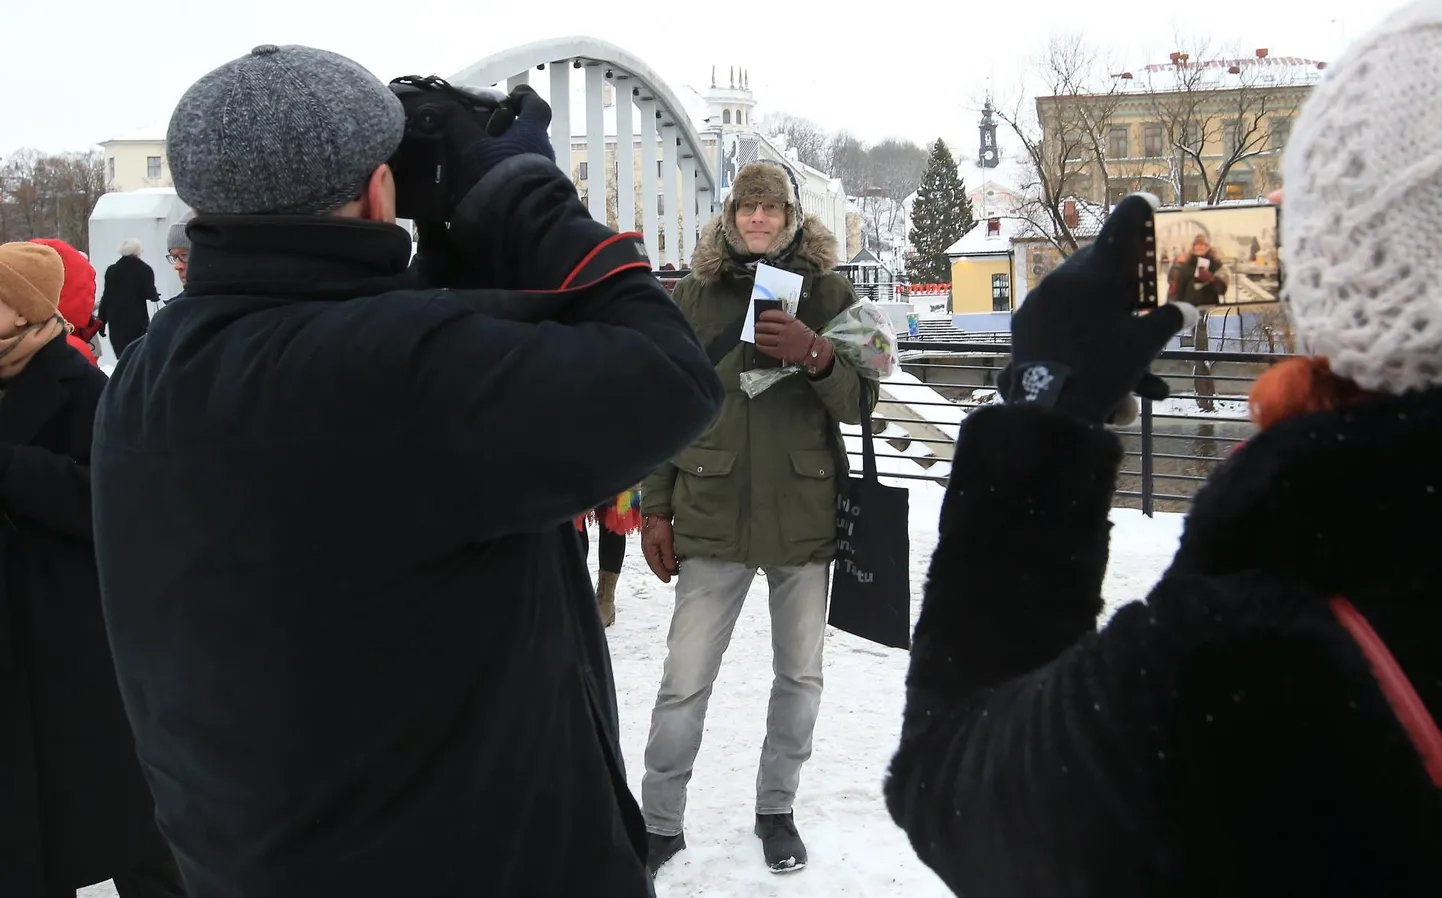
(709, 596)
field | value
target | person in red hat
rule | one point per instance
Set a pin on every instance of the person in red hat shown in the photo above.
(77, 296)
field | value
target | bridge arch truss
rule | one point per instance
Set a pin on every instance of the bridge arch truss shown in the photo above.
(666, 150)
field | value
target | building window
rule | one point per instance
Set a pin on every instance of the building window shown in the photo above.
(1118, 193)
(1001, 293)
(1192, 191)
(585, 171)
(725, 116)
(1281, 133)
(1074, 146)
(1239, 189)
(110, 168)
(1118, 143)
(1192, 137)
(1231, 138)
(1152, 141)
(659, 173)
(1077, 184)
(660, 204)
(152, 167)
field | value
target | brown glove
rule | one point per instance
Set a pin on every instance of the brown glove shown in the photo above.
(786, 338)
(658, 544)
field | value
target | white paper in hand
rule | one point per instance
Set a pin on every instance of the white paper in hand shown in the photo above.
(772, 283)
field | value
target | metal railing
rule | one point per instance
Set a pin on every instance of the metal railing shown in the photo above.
(1170, 451)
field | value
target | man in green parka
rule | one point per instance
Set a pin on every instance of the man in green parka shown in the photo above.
(755, 492)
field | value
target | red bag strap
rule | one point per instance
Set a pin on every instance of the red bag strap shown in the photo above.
(1405, 702)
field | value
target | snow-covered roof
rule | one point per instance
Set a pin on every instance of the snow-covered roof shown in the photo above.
(1217, 74)
(157, 202)
(980, 241)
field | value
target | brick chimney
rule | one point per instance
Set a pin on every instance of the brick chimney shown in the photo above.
(1069, 213)
(993, 227)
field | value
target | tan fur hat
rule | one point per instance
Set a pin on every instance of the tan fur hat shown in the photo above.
(763, 182)
(31, 276)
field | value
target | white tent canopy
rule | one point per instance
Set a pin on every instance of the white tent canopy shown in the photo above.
(145, 215)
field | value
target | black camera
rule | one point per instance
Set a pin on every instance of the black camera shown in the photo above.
(427, 189)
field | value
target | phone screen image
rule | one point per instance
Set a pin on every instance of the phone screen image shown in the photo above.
(1217, 255)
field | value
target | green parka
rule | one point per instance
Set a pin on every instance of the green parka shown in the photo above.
(760, 486)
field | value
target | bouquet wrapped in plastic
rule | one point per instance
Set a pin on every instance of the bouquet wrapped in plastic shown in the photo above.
(861, 334)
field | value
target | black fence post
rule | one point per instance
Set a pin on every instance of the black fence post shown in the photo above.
(1148, 481)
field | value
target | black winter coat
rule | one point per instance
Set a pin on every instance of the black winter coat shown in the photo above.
(129, 285)
(1224, 738)
(74, 809)
(354, 628)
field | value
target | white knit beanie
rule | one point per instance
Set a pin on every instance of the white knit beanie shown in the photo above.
(1362, 218)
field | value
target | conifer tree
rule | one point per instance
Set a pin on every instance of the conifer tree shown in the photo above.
(941, 214)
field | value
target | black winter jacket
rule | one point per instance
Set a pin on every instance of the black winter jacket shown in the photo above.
(74, 808)
(354, 629)
(1224, 738)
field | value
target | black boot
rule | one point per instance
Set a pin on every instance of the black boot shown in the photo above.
(660, 849)
(782, 845)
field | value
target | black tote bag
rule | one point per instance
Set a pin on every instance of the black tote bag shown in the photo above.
(871, 582)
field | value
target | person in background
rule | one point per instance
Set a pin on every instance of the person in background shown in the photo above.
(77, 297)
(756, 491)
(1265, 723)
(615, 520)
(177, 253)
(129, 285)
(1196, 277)
(74, 808)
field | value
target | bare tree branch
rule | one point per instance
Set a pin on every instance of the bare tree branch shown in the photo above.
(50, 195)
(1216, 110)
(1064, 135)
(810, 141)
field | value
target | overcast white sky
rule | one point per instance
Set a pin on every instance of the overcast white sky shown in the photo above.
(81, 72)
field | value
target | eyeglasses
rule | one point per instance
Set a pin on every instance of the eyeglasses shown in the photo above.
(749, 207)
(177, 258)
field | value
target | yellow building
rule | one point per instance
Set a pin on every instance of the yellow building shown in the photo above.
(136, 160)
(1189, 131)
(982, 270)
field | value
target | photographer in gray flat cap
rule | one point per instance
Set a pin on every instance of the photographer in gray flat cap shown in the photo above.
(352, 622)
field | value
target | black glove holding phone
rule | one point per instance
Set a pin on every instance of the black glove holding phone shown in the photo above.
(1079, 345)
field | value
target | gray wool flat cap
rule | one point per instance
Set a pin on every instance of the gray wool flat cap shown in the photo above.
(282, 131)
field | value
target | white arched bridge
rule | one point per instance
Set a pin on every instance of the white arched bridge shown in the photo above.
(665, 169)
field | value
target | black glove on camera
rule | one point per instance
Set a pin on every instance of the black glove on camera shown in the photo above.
(1077, 344)
(521, 125)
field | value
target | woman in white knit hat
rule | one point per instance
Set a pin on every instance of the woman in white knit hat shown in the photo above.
(1264, 724)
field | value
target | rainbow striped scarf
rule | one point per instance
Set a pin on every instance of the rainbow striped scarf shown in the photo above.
(622, 516)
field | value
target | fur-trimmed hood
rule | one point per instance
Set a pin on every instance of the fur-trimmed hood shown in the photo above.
(813, 253)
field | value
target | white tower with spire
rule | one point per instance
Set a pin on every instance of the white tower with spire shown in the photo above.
(729, 101)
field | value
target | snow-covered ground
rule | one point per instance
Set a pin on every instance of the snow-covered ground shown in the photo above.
(855, 848)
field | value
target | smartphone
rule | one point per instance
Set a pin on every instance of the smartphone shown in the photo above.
(761, 305)
(1212, 255)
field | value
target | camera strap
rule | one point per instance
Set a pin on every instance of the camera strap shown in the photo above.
(615, 254)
